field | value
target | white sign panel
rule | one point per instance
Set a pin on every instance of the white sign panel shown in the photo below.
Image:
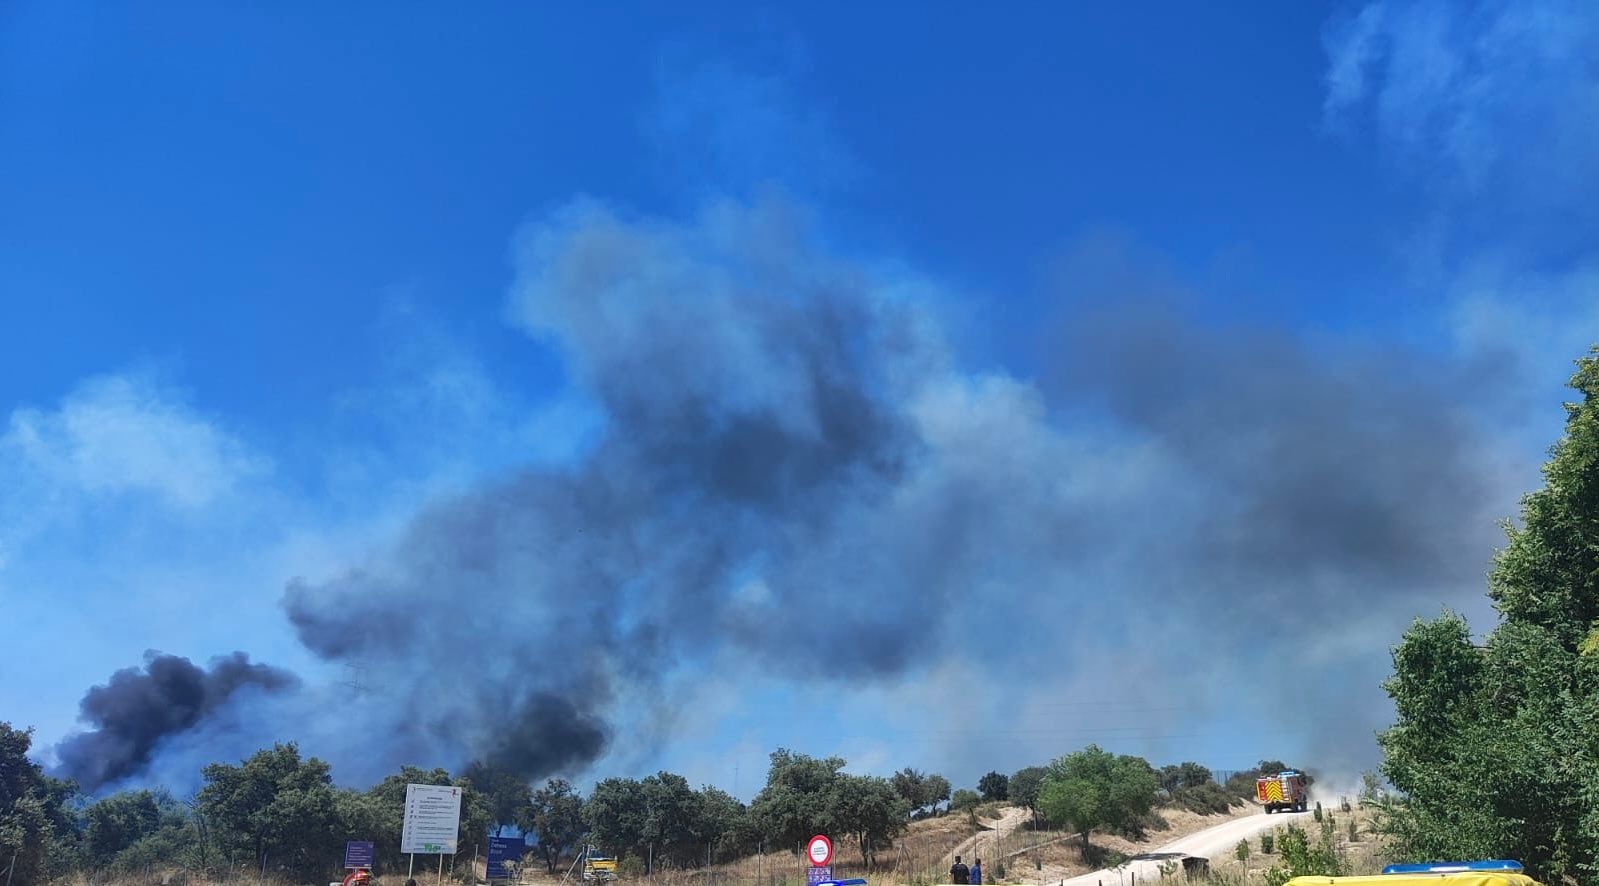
(432, 819)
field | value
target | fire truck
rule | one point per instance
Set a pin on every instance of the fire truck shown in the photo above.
(1283, 791)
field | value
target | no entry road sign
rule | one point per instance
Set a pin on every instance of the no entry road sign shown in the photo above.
(819, 850)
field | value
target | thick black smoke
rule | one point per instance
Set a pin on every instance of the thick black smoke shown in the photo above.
(784, 434)
(139, 708)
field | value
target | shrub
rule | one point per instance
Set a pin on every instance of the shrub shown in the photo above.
(1354, 831)
(1266, 843)
(1241, 851)
(1206, 799)
(1318, 810)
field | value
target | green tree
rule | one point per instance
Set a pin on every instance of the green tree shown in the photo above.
(722, 824)
(554, 814)
(275, 808)
(964, 799)
(1093, 788)
(1183, 775)
(794, 804)
(994, 786)
(935, 790)
(504, 792)
(615, 815)
(1495, 750)
(116, 822)
(868, 811)
(920, 791)
(32, 819)
(1025, 784)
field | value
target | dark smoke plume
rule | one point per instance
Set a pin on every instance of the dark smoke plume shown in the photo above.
(784, 433)
(137, 709)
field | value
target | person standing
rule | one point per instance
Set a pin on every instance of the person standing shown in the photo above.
(959, 873)
(977, 872)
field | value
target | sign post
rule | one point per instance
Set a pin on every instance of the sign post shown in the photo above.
(432, 822)
(504, 850)
(358, 854)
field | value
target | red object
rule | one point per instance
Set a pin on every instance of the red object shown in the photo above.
(819, 850)
(357, 876)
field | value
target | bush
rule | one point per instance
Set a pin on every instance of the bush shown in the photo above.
(1206, 799)
(1241, 851)
(1343, 803)
(1354, 831)
(1267, 842)
(1318, 810)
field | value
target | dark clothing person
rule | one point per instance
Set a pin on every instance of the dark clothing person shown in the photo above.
(959, 873)
(977, 873)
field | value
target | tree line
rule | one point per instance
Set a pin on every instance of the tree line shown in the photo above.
(280, 813)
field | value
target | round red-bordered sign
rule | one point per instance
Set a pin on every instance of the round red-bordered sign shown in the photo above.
(819, 850)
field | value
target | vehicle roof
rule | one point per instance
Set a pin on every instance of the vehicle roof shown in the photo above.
(1463, 878)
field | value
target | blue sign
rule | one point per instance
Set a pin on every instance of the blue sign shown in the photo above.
(358, 854)
(818, 874)
(502, 850)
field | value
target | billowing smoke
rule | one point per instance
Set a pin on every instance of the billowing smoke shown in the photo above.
(138, 709)
(784, 433)
(1233, 514)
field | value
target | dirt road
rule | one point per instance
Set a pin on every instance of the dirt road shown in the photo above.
(986, 841)
(1215, 843)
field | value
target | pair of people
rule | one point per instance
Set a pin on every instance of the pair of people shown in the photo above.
(971, 876)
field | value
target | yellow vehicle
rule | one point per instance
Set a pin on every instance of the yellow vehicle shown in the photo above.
(598, 867)
(1465, 878)
(1497, 872)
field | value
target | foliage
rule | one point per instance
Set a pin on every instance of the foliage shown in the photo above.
(554, 814)
(1207, 798)
(1241, 851)
(1267, 843)
(964, 799)
(994, 786)
(1495, 751)
(274, 808)
(1025, 785)
(1094, 788)
(1183, 775)
(868, 811)
(922, 792)
(661, 818)
(33, 820)
(132, 830)
(504, 792)
(1302, 858)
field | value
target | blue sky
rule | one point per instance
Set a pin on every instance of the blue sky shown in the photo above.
(278, 286)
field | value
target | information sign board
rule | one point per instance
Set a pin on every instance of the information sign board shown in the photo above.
(432, 819)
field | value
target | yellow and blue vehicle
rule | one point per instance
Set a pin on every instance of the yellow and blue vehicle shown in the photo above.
(1493, 872)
